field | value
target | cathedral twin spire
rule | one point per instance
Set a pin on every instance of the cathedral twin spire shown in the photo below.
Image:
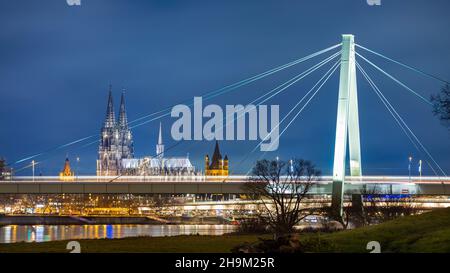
(110, 120)
(116, 140)
(116, 155)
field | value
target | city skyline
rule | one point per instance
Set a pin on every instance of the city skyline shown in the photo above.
(233, 135)
(57, 97)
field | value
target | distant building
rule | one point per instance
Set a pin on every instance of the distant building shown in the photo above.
(5, 171)
(158, 164)
(116, 140)
(217, 166)
(66, 174)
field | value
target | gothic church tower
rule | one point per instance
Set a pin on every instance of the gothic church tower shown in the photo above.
(160, 145)
(116, 141)
(125, 136)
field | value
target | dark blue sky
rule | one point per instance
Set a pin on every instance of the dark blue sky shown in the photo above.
(57, 61)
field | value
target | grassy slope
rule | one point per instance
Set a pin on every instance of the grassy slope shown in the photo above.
(429, 232)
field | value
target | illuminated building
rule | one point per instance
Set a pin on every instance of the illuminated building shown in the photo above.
(116, 151)
(66, 174)
(5, 171)
(217, 166)
(158, 164)
(116, 140)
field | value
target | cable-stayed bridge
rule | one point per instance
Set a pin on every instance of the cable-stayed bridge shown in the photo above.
(349, 60)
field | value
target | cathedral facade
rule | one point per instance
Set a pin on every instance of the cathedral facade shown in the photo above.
(116, 151)
(158, 165)
(116, 140)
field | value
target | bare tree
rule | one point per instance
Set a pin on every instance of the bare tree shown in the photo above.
(441, 105)
(281, 187)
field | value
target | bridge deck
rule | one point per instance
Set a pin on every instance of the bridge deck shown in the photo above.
(200, 185)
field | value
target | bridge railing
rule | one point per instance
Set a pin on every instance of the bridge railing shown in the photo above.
(156, 178)
(231, 178)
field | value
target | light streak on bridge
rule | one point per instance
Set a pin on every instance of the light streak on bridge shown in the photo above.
(425, 185)
(225, 179)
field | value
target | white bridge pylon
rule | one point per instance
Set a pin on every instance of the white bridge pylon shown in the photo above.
(347, 124)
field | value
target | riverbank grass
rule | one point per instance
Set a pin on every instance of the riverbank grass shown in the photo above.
(428, 232)
(173, 244)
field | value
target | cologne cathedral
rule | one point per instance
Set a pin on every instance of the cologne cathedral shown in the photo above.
(116, 140)
(116, 152)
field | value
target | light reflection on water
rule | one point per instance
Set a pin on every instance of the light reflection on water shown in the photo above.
(45, 233)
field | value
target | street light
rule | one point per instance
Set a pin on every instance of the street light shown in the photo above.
(78, 163)
(409, 168)
(420, 169)
(32, 166)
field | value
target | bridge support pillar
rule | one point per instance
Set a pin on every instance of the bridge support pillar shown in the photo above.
(347, 125)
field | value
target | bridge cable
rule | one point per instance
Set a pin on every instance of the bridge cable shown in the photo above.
(244, 82)
(232, 88)
(282, 87)
(327, 75)
(374, 87)
(405, 65)
(395, 113)
(403, 122)
(306, 104)
(209, 95)
(394, 79)
(301, 75)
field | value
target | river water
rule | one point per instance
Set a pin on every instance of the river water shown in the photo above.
(45, 233)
